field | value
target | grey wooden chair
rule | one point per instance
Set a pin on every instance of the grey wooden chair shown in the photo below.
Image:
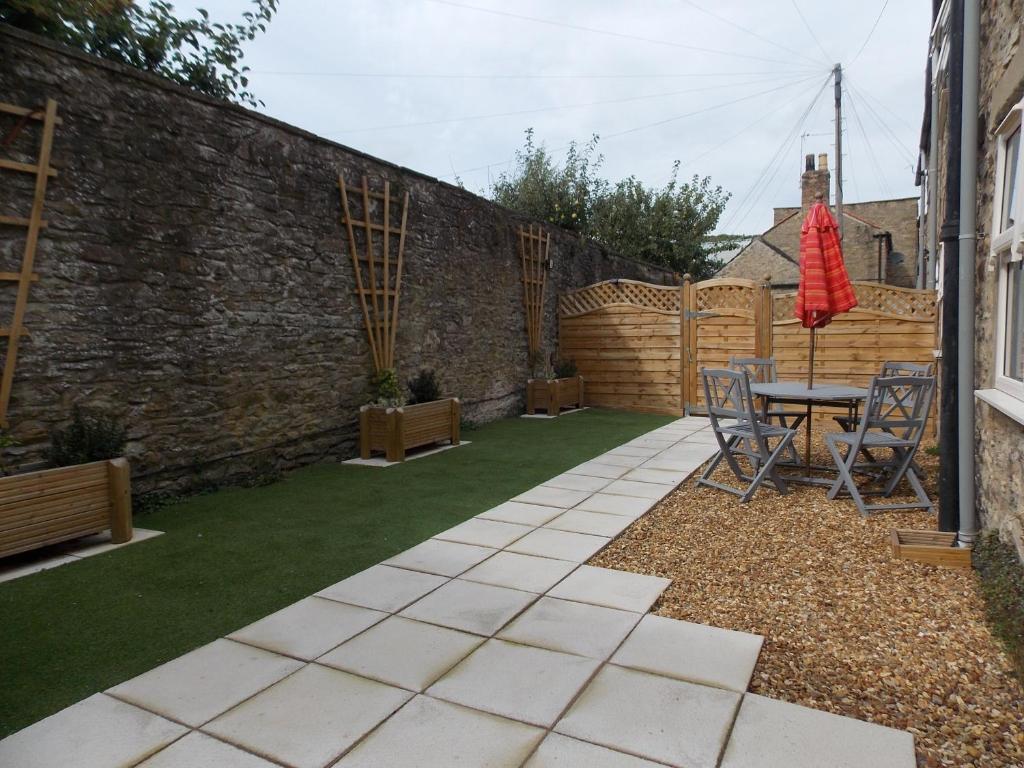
(762, 370)
(894, 420)
(889, 369)
(740, 431)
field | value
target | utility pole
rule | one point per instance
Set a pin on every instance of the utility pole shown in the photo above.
(837, 75)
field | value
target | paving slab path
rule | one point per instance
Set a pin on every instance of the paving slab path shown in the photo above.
(491, 644)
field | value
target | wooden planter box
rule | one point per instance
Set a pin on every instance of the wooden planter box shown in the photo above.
(55, 505)
(397, 430)
(552, 395)
(932, 547)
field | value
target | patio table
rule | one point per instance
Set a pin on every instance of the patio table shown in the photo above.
(798, 393)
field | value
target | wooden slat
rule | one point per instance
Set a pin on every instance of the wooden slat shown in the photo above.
(13, 165)
(22, 221)
(15, 276)
(32, 113)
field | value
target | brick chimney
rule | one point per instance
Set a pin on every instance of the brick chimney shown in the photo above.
(815, 181)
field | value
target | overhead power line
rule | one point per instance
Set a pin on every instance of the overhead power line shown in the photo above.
(872, 156)
(527, 76)
(605, 32)
(874, 26)
(900, 146)
(645, 126)
(751, 32)
(742, 207)
(553, 108)
(811, 30)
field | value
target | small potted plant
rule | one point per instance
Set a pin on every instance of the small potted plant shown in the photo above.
(559, 386)
(395, 424)
(88, 491)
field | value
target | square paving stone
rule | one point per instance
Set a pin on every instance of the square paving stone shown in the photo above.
(776, 734)
(658, 476)
(561, 625)
(598, 469)
(557, 751)
(693, 652)
(403, 652)
(678, 723)
(640, 490)
(310, 718)
(634, 450)
(485, 533)
(466, 605)
(674, 463)
(444, 558)
(611, 504)
(308, 628)
(619, 460)
(655, 443)
(562, 545)
(594, 523)
(383, 588)
(531, 685)
(525, 572)
(577, 482)
(612, 589)
(97, 732)
(206, 682)
(427, 733)
(197, 750)
(552, 497)
(524, 514)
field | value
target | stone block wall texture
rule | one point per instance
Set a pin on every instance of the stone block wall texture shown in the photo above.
(195, 279)
(999, 439)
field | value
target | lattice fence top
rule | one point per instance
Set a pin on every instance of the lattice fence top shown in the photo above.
(611, 293)
(889, 300)
(732, 295)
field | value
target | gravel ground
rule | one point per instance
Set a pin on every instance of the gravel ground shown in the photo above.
(848, 628)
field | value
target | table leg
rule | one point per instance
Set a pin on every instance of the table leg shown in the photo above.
(807, 448)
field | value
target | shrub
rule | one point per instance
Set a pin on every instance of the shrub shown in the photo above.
(565, 369)
(385, 390)
(89, 437)
(423, 387)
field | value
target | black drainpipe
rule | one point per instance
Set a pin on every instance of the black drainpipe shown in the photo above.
(949, 488)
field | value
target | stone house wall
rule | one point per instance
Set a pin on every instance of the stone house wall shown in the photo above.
(195, 279)
(999, 439)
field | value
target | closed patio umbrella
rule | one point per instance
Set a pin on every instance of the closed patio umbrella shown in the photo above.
(825, 288)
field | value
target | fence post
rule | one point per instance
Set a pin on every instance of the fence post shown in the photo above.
(763, 318)
(456, 420)
(684, 344)
(395, 450)
(581, 390)
(120, 489)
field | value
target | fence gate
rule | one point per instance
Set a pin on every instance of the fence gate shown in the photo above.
(723, 318)
(625, 339)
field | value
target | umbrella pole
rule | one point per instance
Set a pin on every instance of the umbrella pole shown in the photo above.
(810, 385)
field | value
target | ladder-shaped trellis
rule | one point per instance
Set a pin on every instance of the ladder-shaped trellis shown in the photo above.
(534, 245)
(376, 263)
(33, 223)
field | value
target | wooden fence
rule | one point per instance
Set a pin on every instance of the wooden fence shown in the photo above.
(641, 346)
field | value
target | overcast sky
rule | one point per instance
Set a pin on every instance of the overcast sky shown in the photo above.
(449, 87)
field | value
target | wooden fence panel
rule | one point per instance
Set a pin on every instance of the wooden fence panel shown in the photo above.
(624, 337)
(641, 347)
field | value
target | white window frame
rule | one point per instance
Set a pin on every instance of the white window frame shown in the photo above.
(1007, 247)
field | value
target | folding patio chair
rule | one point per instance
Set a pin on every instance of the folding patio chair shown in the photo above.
(740, 432)
(889, 369)
(762, 370)
(894, 420)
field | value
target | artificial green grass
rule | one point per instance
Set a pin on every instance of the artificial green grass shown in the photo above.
(231, 557)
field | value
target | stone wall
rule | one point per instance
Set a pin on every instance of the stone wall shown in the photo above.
(999, 439)
(195, 278)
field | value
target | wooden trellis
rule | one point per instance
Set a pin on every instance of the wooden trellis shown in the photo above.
(534, 246)
(376, 264)
(32, 223)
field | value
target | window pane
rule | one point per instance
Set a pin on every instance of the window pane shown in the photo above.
(1009, 180)
(1013, 367)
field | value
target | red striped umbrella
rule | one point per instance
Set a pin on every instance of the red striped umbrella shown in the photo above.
(825, 288)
